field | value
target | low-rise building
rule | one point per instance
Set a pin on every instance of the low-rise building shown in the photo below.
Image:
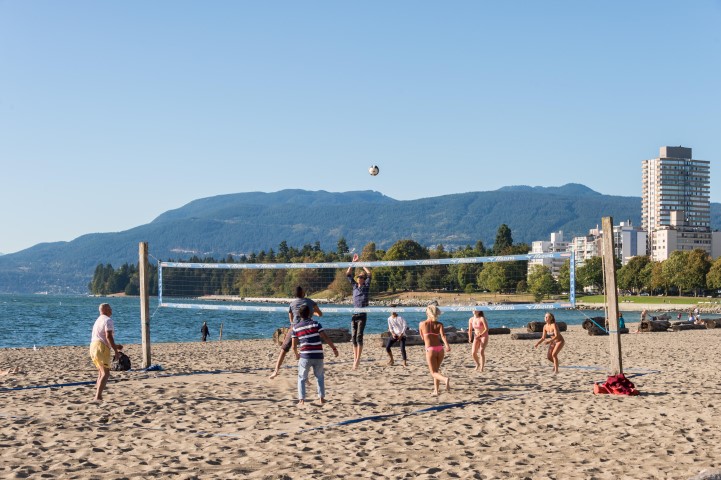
(555, 245)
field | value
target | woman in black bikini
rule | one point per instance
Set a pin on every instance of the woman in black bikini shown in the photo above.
(432, 333)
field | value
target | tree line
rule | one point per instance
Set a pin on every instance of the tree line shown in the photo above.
(690, 272)
(273, 282)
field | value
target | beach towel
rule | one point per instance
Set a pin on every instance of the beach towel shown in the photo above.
(616, 385)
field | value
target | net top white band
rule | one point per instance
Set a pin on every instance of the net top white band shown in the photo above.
(326, 309)
(391, 263)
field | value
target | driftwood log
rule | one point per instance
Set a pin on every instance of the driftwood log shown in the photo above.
(654, 326)
(687, 326)
(538, 326)
(713, 323)
(526, 336)
(593, 326)
(337, 335)
(499, 331)
(453, 335)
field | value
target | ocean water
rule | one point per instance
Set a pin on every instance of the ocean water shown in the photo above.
(50, 320)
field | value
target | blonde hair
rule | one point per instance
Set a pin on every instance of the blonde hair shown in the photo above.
(433, 312)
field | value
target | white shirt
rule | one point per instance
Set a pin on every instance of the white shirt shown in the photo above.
(396, 325)
(103, 325)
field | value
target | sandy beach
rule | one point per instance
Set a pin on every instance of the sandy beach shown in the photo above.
(213, 413)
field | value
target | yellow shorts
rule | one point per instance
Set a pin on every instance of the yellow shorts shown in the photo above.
(100, 354)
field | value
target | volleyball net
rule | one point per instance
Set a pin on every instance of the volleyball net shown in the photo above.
(496, 283)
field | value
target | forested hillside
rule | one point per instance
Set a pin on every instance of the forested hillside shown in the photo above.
(243, 223)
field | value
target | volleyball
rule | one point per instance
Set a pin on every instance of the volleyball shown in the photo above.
(373, 170)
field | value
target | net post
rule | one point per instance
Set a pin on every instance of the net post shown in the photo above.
(572, 275)
(609, 267)
(144, 301)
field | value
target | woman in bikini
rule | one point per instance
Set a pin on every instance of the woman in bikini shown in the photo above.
(432, 333)
(555, 340)
(478, 335)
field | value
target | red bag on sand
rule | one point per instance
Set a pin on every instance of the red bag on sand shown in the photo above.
(620, 385)
(600, 388)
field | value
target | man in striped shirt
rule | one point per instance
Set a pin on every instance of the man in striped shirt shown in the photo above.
(309, 336)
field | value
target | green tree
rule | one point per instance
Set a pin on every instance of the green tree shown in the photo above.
(479, 250)
(399, 278)
(564, 276)
(658, 281)
(631, 276)
(713, 277)
(674, 271)
(369, 252)
(697, 267)
(492, 278)
(504, 240)
(590, 274)
(406, 250)
(342, 247)
(283, 252)
(541, 282)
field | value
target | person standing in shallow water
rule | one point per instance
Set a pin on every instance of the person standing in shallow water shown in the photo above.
(204, 331)
(361, 294)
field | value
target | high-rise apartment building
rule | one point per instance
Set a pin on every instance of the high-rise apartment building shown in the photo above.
(675, 204)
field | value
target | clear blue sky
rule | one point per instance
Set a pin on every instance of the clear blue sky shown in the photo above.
(112, 113)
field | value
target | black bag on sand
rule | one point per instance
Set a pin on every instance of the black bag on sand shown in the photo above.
(121, 363)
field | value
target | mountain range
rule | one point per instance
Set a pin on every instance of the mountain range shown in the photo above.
(242, 223)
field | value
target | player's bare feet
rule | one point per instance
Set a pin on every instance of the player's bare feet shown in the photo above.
(448, 384)
(405, 363)
(390, 363)
(322, 400)
(273, 375)
(301, 402)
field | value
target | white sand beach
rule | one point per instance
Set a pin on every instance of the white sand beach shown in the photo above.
(515, 420)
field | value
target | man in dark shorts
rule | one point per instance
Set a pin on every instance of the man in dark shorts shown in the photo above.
(294, 317)
(361, 293)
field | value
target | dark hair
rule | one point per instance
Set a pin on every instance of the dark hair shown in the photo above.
(299, 292)
(304, 311)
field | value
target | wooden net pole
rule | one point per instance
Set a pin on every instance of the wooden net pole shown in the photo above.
(143, 273)
(609, 269)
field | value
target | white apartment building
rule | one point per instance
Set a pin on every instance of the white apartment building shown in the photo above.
(587, 246)
(628, 241)
(678, 236)
(555, 245)
(675, 203)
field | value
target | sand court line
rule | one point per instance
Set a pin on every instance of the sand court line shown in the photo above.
(267, 435)
(343, 423)
(436, 408)
(124, 379)
(115, 380)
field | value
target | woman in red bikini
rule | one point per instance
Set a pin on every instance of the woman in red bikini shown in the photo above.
(478, 335)
(432, 333)
(552, 335)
